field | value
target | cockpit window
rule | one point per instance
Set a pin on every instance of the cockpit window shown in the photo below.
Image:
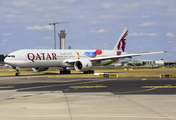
(11, 56)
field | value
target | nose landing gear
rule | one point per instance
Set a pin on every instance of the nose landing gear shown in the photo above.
(17, 71)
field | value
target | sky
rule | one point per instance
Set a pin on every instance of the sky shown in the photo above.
(94, 24)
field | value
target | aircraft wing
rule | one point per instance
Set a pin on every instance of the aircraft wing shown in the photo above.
(124, 56)
(115, 57)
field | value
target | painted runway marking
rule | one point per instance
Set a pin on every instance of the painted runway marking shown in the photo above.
(3, 87)
(59, 85)
(66, 89)
(135, 91)
(156, 87)
(99, 94)
(27, 96)
(45, 87)
(78, 87)
(150, 88)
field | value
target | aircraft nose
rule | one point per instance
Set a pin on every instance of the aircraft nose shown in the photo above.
(6, 60)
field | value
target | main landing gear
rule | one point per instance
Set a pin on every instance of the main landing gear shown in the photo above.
(65, 71)
(89, 72)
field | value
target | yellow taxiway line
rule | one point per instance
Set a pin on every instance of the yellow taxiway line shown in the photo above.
(77, 87)
(6, 87)
(156, 87)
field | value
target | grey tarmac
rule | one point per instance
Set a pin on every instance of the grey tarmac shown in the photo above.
(44, 98)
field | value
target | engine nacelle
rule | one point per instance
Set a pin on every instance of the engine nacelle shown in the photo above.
(83, 65)
(39, 69)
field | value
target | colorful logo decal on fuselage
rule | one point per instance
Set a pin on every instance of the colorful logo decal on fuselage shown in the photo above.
(93, 54)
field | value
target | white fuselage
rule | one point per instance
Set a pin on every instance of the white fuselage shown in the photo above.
(53, 58)
(81, 60)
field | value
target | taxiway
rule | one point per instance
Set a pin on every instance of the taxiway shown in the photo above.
(45, 97)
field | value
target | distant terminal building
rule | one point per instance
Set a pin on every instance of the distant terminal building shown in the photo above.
(2, 64)
(152, 62)
(166, 62)
(126, 62)
(142, 62)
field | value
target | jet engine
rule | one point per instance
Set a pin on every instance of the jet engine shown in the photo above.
(39, 69)
(83, 65)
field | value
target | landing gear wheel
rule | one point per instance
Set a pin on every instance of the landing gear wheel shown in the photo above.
(89, 72)
(68, 71)
(65, 71)
(17, 73)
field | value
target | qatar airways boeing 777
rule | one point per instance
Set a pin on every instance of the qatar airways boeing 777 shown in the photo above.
(81, 60)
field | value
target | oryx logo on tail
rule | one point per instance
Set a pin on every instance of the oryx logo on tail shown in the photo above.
(122, 42)
(120, 46)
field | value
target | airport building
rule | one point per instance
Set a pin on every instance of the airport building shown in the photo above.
(62, 36)
(2, 65)
(142, 62)
(145, 63)
(166, 62)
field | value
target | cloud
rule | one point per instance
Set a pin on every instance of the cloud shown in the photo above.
(20, 3)
(136, 40)
(46, 38)
(43, 47)
(105, 44)
(143, 17)
(132, 5)
(2, 43)
(102, 46)
(170, 42)
(7, 34)
(170, 35)
(99, 37)
(40, 28)
(69, 1)
(146, 16)
(146, 24)
(143, 34)
(15, 14)
(107, 5)
(98, 31)
(5, 40)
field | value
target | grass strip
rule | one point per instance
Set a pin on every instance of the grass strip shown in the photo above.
(120, 72)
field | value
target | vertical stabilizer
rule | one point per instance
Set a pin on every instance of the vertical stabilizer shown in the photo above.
(120, 46)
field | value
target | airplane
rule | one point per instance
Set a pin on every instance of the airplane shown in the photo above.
(81, 60)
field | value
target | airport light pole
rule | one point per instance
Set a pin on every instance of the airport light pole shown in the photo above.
(55, 31)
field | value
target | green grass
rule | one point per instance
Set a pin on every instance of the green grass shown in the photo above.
(120, 72)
